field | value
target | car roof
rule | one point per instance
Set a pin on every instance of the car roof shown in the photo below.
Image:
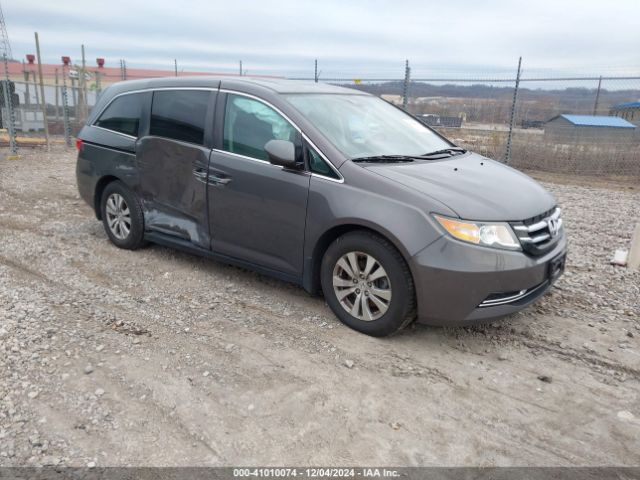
(273, 84)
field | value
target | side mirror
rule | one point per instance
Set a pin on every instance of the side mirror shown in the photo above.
(281, 152)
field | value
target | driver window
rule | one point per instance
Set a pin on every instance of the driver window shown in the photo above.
(249, 124)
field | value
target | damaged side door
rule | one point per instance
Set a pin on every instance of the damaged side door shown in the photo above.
(173, 161)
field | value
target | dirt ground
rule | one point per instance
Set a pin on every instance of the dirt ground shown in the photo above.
(155, 357)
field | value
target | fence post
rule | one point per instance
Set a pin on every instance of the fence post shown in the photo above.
(98, 85)
(27, 95)
(43, 101)
(405, 87)
(57, 97)
(74, 96)
(82, 83)
(10, 115)
(507, 154)
(595, 105)
(65, 109)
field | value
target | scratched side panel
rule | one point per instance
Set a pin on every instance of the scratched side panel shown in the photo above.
(173, 196)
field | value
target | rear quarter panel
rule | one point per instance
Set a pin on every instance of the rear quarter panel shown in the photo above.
(104, 154)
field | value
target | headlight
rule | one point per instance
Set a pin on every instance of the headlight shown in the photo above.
(497, 235)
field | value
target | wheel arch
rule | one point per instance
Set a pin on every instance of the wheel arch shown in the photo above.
(311, 275)
(97, 193)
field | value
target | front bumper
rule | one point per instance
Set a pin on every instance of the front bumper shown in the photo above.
(457, 283)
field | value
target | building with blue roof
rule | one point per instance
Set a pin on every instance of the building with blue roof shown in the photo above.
(570, 128)
(630, 111)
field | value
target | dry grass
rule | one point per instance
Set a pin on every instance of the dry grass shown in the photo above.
(530, 151)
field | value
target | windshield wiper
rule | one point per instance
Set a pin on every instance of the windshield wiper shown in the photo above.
(385, 158)
(445, 151)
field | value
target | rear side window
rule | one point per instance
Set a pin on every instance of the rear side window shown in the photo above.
(123, 114)
(179, 114)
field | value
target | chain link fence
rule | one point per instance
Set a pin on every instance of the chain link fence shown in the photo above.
(581, 125)
(572, 125)
(64, 103)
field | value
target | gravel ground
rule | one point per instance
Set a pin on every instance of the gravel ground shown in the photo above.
(156, 357)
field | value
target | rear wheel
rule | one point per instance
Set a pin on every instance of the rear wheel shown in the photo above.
(122, 216)
(367, 284)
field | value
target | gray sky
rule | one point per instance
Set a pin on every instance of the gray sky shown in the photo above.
(350, 38)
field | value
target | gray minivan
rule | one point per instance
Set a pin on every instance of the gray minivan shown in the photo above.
(331, 188)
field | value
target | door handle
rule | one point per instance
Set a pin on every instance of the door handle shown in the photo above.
(213, 180)
(200, 173)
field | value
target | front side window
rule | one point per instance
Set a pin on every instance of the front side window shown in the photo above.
(249, 124)
(123, 114)
(179, 114)
(366, 126)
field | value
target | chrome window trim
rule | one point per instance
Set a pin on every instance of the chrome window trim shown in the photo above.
(324, 177)
(97, 145)
(141, 90)
(264, 162)
(298, 129)
(113, 131)
(235, 92)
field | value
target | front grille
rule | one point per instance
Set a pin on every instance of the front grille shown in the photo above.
(539, 234)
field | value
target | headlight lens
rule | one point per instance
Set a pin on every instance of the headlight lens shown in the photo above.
(497, 235)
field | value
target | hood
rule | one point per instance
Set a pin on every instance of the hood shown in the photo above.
(473, 186)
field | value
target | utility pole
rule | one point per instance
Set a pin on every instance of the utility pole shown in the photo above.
(240, 67)
(512, 119)
(84, 110)
(595, 105)
(405, 87)
(57, 102)
(175, 65)
(43, 103)
(315, 71)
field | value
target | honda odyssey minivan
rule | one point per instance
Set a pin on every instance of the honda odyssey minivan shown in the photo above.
(327, 187)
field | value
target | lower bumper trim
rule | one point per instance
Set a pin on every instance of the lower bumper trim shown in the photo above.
(511, 297)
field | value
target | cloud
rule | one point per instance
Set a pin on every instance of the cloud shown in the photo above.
(354, 38)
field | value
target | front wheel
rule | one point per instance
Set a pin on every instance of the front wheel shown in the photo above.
(367, 284)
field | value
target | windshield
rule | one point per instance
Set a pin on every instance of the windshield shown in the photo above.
(366, 126)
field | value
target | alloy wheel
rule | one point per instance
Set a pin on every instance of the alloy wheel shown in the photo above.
(362, 286)
(118, 216)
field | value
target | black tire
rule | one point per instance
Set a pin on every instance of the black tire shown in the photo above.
(135, 237)
(401, 308)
